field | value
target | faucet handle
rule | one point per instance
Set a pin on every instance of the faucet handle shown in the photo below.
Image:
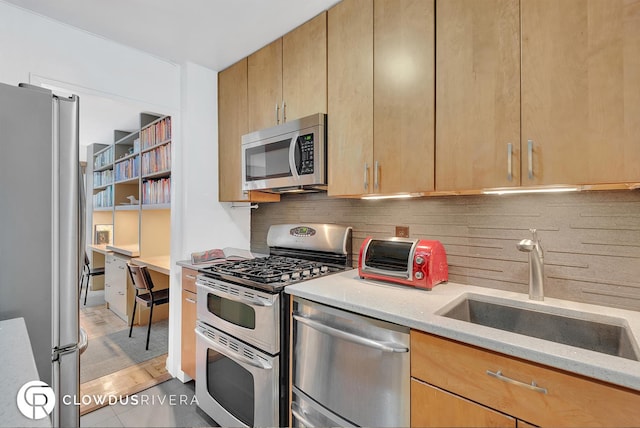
(534, 232)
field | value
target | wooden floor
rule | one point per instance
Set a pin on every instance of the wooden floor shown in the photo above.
(98, 321)
(125, 382)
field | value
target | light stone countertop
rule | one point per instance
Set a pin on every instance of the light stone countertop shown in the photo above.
(418, 309)
(18, 367)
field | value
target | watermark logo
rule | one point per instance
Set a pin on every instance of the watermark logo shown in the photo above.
(36, 399)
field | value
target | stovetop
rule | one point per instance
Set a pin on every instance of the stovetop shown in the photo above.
(270, 273)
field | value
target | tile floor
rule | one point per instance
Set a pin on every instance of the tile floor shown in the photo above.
(153, 413)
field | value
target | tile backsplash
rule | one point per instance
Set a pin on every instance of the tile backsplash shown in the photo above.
(591, 240)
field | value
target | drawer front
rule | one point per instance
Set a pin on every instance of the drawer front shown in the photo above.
(475, 373)
(188, 348)
(452, 410)
(189, 280)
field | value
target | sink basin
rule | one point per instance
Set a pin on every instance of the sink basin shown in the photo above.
(607, 335)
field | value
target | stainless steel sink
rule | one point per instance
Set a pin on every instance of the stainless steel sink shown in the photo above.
(607, 335)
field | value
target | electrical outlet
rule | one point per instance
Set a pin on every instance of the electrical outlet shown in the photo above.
(402, 231)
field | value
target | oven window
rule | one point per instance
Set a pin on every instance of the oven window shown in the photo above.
(268, 161)
(231, 386)
(234, 312)
(388, 255)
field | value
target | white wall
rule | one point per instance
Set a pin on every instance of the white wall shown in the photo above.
(199, 221)
(37, 49)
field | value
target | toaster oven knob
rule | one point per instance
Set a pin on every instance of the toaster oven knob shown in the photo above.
(419, 261)
(419, 275)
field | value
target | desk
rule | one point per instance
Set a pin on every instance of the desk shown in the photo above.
(98, 254)
(159, 264)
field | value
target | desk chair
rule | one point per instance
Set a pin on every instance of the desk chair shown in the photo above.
(87, 273)
(145, 294)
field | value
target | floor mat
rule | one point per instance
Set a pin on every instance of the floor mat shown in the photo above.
(115, 351)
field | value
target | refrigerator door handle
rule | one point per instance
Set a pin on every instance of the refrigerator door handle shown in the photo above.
(84, 341)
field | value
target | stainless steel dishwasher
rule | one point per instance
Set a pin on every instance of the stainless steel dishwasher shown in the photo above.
(348, 369)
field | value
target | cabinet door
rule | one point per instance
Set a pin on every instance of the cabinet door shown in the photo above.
(434, 407)
(188, 348)
(232, 124)
(304, 69)
(265, 86)
(350, 97)
(560, 398)
(580, 97)
(403, 113)
(477, 94)
(110, 273)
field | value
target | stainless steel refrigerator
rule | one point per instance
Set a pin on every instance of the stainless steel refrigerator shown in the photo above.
(41, 233)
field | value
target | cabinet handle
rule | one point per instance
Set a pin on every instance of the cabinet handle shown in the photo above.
(532, 386)
(284, 112)
(366, 176)
(277, 114)
(121, 293)
(189, 300)
(121, 267)
(530, 158)
(190, 276)
(509, 161)
(376, 168)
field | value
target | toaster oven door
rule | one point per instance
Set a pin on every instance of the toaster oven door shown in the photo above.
(388, 257)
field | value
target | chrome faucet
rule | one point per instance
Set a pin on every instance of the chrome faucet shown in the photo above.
(536, 265)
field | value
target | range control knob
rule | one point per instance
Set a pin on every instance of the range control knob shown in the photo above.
(419, 260)
(419, 275)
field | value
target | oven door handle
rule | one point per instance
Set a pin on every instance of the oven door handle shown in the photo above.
(365, 341)
(234, 356)
(229, 296)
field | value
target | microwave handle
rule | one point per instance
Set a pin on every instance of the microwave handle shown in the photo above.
(292, 156)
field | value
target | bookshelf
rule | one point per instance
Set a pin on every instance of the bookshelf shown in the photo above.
(131, 185)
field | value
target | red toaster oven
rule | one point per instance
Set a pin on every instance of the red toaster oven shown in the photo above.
(416, 262)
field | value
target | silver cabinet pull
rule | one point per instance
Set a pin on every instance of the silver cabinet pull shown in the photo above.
(366, 176)
(509, 161)
(284, 112)
(189, 300)
(277, 114)
(532, 386)
(530, 158)
(191, 276)
(360, 340)
(376, 167)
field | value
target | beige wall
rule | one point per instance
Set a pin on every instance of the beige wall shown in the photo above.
(591, 239)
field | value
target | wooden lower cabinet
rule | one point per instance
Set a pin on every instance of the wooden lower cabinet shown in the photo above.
(560, 399)
(434, 407)
(189, 316)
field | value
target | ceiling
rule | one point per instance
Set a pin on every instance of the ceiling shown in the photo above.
(211, 33)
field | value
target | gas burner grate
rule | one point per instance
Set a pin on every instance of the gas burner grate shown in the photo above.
(272, 269)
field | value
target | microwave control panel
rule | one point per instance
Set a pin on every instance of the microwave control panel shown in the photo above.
(305, 166)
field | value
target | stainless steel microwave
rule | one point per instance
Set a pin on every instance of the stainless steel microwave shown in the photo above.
(290, 157)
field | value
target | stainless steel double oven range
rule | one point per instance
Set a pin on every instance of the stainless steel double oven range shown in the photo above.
(242, 333)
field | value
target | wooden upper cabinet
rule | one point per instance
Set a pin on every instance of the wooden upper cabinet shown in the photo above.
(265, 86)
(477, 94)
(381, 117)
(287, 79)
(304, 69)
(580, 97)
(232, 125)
(403, 109)
(350, 97)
